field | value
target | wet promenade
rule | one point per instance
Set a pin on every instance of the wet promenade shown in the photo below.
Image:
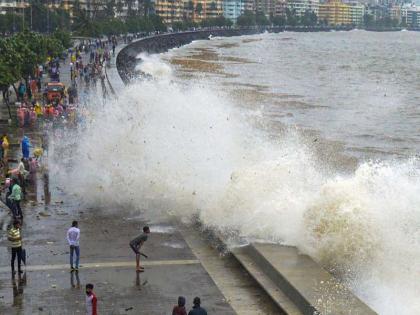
(172, 269)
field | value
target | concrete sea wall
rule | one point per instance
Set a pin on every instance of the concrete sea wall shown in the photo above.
(296, 283)
(126, 59)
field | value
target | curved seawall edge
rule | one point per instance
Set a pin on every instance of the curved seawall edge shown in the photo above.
(127, 57)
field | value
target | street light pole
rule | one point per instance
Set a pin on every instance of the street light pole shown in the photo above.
(48, 18)
(23, 17)
(14, 21)
(31, 14)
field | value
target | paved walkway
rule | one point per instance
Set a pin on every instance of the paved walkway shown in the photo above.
(47, 286)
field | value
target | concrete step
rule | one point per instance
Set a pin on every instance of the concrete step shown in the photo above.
(308, 286)
(273, 291)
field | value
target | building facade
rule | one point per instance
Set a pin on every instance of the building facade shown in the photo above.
(232, 9)
(265, 6)
(214, 9)
(198, 10)
(170, 11)
(334, 12)
(413, 16)
(280, 8)
(299, 7)
(10, 6)
(357, 12)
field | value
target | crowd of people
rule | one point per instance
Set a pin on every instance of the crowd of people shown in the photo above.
(39, 99)
(36, 102)
(18, 178)
(98, 55)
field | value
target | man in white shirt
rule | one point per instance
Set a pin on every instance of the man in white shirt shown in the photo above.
(73, 236)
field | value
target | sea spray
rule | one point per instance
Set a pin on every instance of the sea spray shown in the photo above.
(191, 151)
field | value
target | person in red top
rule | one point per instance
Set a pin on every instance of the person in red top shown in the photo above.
(180, 308)
(91, 301)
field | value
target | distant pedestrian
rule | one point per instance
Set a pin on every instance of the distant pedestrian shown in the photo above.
(180, 308)
(21, 90)
(73, 237)
(5, 147)
(22, 174)
(16, 245)
(137, 243)
(40, 70)
(15, 197)
(26, 144)
(197, 309)
(91, 301)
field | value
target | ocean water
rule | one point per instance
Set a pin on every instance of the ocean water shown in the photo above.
(303, 139)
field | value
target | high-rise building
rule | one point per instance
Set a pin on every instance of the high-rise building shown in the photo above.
(169, 10)
(249, 5)
(214, 9)
(232, 9)
(334, 12)
(413, 16)
(10, 6)
(299, 7)
(280, 8)
(396, 13)
(265, 6)
(198, 10)
(357, 12)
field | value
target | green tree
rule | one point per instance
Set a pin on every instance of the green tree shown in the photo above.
(261, 19)
(53, 47)
(217, 21)
(63, 37)
(9, 23)
(309, 18)
(278, 20)
(157, 22)
(368, 20)
(31, 49)
(246, 19)
(291, 18)
(10, 63)
(83, 24)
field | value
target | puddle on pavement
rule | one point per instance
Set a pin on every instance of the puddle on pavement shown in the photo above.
(163, 229)
(173, 245)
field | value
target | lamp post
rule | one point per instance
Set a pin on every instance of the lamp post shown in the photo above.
(48, 17)
(31, 4)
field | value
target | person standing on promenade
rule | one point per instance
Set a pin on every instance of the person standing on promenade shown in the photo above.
(15, 197)
(197, 309)
(73, 237)
(26, 144)
(5, 146)
(16, 244)
(137, 243)
(22, 174)
(180, 308)
(91, 301)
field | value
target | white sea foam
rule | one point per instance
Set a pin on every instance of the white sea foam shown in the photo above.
(190, 150)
